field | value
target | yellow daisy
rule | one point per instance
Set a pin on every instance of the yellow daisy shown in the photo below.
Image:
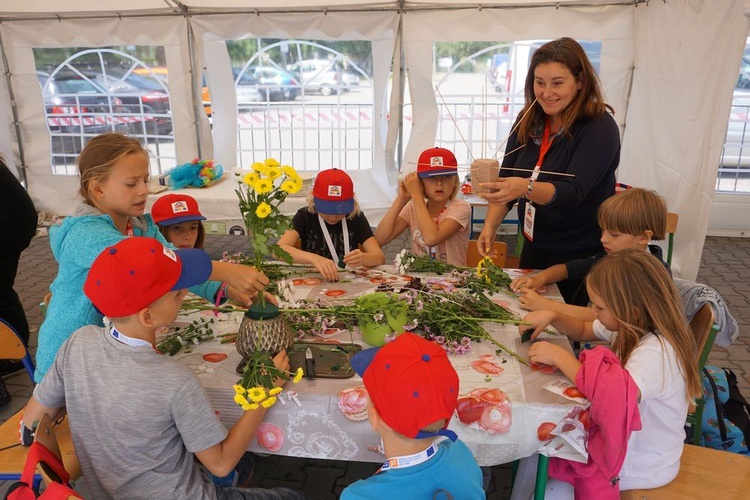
(238, 389)
(251, 406)
(273, 173)
(268, 402)
(259, 167)
(240, 399)
(263, 210)
(272, 162)
(289, 186)
(257, 394)
(263, 186)
(251, 178)
(274, 391)
(289, 171)
(298, 375)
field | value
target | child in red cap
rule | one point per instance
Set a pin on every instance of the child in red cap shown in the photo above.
(413, 392)
(426, 203)
(179, 220)
(138, 418)
(332, 232)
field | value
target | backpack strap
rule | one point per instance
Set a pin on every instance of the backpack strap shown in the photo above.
(737, 408)
(719, 406)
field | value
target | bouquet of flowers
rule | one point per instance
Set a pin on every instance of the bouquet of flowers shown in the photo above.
(256, 388)
(260, 193)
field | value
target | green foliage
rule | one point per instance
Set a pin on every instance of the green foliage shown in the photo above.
(194, 333)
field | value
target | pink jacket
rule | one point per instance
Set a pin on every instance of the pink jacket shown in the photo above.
(614, 415)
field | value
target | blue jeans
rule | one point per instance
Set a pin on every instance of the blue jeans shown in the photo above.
(259, 494)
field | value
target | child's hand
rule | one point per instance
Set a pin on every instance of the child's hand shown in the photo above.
(547, 353)
(528, 282)
(326, 267)
(281, 361)
(532, 301)
(247, 280)
(355, 259)
(413, 185)
(403, 194)
(539, 320)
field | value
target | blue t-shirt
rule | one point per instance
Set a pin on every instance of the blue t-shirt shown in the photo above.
(453, 470)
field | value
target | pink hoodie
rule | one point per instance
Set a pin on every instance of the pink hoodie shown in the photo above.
(614, 415)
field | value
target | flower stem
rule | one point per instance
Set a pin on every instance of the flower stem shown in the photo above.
(504, 348)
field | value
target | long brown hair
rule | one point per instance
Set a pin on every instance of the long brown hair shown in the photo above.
(99, 155)
(588, 102)
(640, 294)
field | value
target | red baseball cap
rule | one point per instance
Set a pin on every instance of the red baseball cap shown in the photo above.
(135, 272)
(173, 209)
(411, 383)
(436, 161)
(333, 192)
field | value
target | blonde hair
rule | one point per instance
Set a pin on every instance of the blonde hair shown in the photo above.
(635, 211)
(640, 294)
(588, 101)
(311, 207)
(99, 156)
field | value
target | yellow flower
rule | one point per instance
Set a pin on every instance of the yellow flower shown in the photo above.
(272, 162)
(274, 391)
(289, 186)
(251, 406)
(263, 210)
(238, 389)
(289, 171)
(263, 186)
(259, 167)
(273, 173)
(251, 178)
(240, 399)
(257, 394)
(268, 402)
(298, 375)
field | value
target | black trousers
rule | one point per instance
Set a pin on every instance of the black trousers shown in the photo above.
(11, 309)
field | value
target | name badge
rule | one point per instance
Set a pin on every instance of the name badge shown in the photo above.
(528, 221)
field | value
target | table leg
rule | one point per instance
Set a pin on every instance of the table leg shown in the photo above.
(541, 477)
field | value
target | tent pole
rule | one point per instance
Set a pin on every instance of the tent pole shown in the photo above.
(197, 101)
(17, 125)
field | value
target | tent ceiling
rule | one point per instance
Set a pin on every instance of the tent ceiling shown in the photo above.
(15, 9)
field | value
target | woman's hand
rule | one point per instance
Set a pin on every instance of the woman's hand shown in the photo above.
(246, 280)
(507, 189)
(528, 282)
(532, 301)
(547, 353)
(326, 267)
(355, 259)
(281, 361)
(413, 185)
(539, 320)
(245, 300)
(485, 242)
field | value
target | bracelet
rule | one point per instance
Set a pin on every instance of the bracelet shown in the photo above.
(531, 186)
(221, 293)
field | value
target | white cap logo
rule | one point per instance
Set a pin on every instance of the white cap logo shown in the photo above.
(169, 253)
(436, 161)
(179, 206)
(334, 191)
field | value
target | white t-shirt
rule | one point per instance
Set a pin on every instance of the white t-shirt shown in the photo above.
(452, 250)
(654, 452)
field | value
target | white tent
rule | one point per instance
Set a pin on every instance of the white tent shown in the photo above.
(668, 67)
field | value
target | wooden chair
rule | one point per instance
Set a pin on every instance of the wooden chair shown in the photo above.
(13, 348)
(705, 331)
(705, 473)
(473, 257)
(672, 219)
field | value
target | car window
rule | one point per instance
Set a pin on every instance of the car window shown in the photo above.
(76, 87)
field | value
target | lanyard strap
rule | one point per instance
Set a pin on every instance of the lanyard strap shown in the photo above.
(121, 337)
(329, 242)
(543, 148)
(434, 249)
(411, 460)
(129, 229)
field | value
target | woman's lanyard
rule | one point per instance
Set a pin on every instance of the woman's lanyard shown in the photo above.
(410, 460)
(543, 148)
(530, 211)
(434, 250)
(329, 242)
(121, 337)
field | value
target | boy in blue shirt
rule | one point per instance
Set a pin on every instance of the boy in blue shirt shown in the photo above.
(413, 392)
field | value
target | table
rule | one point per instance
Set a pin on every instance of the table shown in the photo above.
(327, 417)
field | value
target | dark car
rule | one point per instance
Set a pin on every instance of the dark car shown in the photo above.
(144, 96)
(274, 84)
(77, 108)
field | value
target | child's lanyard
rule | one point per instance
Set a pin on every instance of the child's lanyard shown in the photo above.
(121, 337)
(434, 250)
(129, 229)
(329, 242)
(530, 212)
(411, 460)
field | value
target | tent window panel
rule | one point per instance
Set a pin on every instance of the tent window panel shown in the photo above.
(87, 92)
(734, 169)
(308, 103)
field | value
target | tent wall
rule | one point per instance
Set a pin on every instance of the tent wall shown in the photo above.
(668, 68)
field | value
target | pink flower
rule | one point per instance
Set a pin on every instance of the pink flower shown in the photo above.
(496, 419)
(270, 437)
(353, 401)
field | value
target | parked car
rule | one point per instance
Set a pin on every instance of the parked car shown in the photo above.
(274, 84)
(145, 96)
(324, 76)
(76, 108)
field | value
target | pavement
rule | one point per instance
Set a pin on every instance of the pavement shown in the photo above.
(724, 266)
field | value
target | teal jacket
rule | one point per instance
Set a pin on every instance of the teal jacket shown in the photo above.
(75, 245)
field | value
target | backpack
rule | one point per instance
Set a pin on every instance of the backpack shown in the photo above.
(726, 413)
(59, 489)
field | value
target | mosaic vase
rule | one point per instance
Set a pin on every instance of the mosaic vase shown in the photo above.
(262, 328)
